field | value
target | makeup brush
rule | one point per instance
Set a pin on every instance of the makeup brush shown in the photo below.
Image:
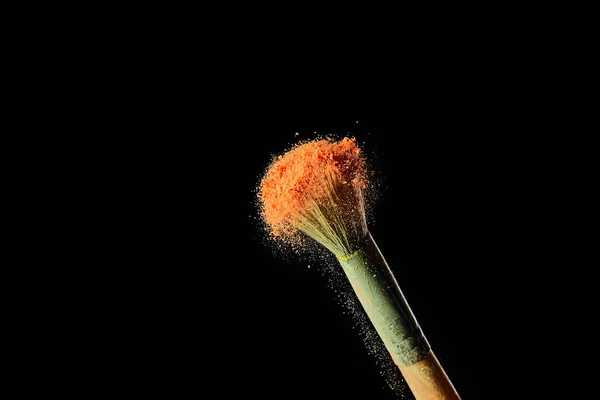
(316, 190)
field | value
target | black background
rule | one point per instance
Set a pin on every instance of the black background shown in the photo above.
(165, 285)
(200, 303)
(214, 303)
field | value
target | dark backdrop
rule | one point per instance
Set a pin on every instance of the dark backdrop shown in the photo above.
(186, 300)
(229, 313)
(205, 304)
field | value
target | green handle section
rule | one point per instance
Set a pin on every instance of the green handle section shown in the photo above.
(384, 303)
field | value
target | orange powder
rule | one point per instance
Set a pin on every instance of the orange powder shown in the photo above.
(313, 174)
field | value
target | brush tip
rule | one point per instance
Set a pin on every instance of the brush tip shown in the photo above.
(313, 187)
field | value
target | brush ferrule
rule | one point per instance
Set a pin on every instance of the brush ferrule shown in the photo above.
(384, 303)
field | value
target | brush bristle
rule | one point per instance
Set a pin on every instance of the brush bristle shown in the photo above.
(317, 188)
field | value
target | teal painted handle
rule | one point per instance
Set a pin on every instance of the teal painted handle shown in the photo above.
(384, 303)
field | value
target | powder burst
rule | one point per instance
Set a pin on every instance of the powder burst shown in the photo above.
(317, 188)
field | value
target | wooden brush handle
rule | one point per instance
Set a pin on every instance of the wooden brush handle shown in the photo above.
(428, 381)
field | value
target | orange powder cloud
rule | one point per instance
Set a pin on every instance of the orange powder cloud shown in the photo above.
(308, 172)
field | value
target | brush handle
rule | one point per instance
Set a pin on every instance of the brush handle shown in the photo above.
(388, 311)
